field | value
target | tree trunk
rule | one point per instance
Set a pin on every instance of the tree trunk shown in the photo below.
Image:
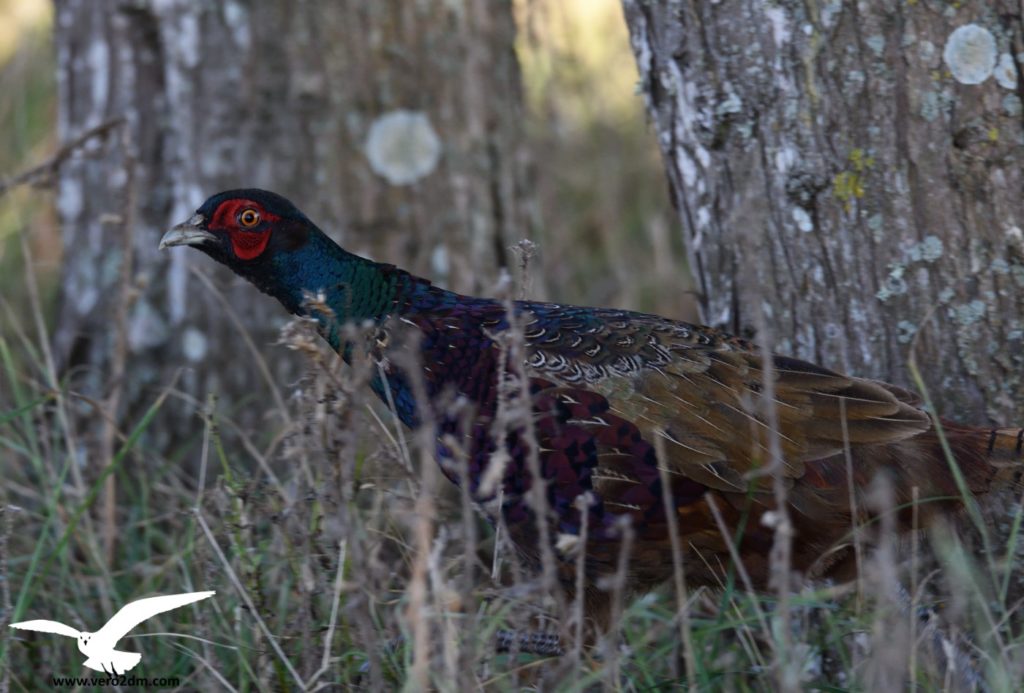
(284, 96)
(852, 170)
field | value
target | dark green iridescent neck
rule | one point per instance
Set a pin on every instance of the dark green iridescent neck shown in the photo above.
(354, 288)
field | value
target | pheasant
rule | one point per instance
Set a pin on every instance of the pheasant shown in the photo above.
(621, 403)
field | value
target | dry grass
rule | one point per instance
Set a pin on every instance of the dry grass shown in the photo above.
(342, 559)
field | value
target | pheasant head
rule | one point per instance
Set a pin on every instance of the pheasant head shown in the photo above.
(264, 238)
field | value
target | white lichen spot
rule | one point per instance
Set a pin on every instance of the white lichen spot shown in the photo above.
(211, 159)
(403, 147)
(703, 157)
(930, 106)
(780, 27)
(970, 54)
(876, 223)
(969, 313)
(803, 219)
(730, 104)
(931, 248)
(236, 18)
(99, 69)
(82, 289)
(946, 295)
(146, 328)
(905, 331)
(785, 158)
(926, 49)
(876, 43)
(1006, 72)
(928, 250)
(1000, 266)
(665, 79)
(829, 12)
(1012, 105)
(69, 199)
(687, 168)
(186, 40)
(85, 299)
(118, 177)
(194, 345)
(894, 284)
(439, 260)
(109, 267)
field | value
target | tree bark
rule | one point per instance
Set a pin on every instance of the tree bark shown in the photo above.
(853, 173)
(279, 95)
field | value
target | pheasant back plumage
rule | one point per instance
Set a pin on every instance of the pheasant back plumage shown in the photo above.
(609, 389)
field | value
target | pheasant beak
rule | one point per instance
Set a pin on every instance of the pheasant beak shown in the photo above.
(189, 233)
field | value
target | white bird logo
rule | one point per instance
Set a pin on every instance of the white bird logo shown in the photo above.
(99, 646)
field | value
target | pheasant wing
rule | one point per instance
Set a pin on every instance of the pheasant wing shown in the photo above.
(705, 392)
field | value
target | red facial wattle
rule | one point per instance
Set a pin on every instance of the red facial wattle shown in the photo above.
(248, 244)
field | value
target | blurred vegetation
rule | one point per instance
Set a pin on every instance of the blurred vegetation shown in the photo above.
(27, 134)
(608, 236)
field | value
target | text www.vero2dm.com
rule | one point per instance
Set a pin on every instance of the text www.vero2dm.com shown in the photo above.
(113, 680)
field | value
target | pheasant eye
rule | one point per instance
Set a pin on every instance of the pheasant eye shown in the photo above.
(249, 218)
